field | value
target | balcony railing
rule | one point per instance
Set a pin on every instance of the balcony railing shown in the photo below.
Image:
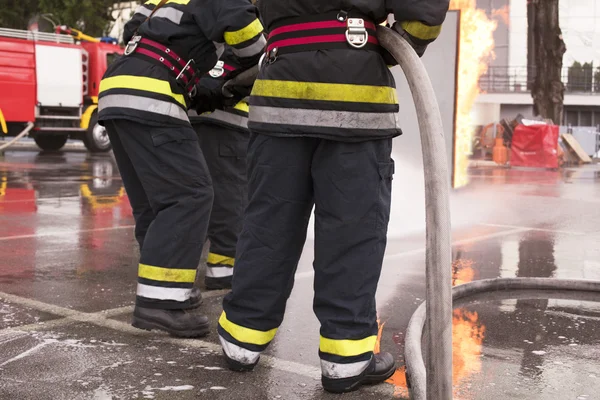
(519, 80)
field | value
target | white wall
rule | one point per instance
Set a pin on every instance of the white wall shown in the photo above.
(580, 23)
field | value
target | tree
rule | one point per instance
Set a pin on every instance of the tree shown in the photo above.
(546, 51)
(16, 13)
(91, 16)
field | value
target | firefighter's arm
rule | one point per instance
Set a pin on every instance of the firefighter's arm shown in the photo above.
(236, 24)
(419, 21)
(139, 16)
(209, 88)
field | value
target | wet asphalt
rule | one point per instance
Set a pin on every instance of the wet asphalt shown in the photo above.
(67, 284)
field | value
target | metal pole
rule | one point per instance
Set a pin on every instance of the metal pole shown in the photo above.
(437, 193)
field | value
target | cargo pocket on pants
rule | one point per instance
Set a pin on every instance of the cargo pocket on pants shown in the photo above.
(178, 156)
(386, 174)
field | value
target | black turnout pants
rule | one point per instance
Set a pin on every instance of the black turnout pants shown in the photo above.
(170, 191)
(350, 186)
(225, 150)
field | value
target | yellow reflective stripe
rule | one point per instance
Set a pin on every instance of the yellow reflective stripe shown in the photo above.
(217, 259)
(3, 123)
(242, 106)
(87, 115)
(166, 274)
(244, 34)
(420, 30)
(246, 335)
(347, 348)
(3, 186)
(155, 2)
(141, 83)
(325, 91)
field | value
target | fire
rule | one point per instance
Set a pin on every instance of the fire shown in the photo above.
(476, 45)
(467, 340)
(399, 382)
(380, 325)
(462, 271)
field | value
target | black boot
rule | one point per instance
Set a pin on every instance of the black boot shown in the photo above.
(195, 299)
(381, 368)
(237, 366)
(178, 323)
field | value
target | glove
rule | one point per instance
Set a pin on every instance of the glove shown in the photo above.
(207, 99)
(234, 94)
(419, 48)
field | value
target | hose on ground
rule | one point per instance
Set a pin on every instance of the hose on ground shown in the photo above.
(25, 132)
(437, 384)
(414, 333)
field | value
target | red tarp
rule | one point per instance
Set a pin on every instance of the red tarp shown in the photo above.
(535, 146)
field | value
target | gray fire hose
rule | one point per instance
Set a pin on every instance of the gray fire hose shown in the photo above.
(438, 382)
(25, 132)
(435, 381)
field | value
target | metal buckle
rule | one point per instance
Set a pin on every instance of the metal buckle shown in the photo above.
(356, 34)
(218, 70)
(132, 45)
(261, 62)
(272, 56)
(185, 68)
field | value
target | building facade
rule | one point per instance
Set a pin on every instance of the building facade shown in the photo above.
(504, 87)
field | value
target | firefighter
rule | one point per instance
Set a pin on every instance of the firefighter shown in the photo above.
(322, 118)
(143, 102)
(223, 137)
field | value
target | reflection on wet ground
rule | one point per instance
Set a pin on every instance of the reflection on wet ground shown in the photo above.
(67, 281)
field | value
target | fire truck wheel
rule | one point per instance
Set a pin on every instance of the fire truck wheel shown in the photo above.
(50, 142)
(95, 138)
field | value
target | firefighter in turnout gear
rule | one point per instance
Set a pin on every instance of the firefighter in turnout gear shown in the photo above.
(143, 102)
(223, 136)
(322, 118)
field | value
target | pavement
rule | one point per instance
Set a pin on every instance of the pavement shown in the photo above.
(67, 283)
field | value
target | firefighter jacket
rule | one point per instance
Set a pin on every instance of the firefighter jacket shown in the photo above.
(314, 83)
(185, 36)
(231, 117)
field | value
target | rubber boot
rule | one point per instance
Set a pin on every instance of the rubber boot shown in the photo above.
(195, 299)
(381, 368)
(178, 323)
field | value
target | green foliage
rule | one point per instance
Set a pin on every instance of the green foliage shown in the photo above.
(93, 17)
(16, 13)
(580, 77)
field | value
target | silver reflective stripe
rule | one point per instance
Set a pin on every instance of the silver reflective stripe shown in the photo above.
(162, 293)
(142, 104)
(253, 49)
(143, 10)
(238, 353)
(169, 13)
(220, 48)
(233, 119)
(338, 371)
(324, 118)
(218, 272)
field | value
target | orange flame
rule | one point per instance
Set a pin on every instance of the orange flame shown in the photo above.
(377, 348)
(503, 14)
(399, 382)
(476, 46)
(462, 271)
(467, 340)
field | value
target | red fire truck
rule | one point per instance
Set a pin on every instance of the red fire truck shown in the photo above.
(52, 80)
